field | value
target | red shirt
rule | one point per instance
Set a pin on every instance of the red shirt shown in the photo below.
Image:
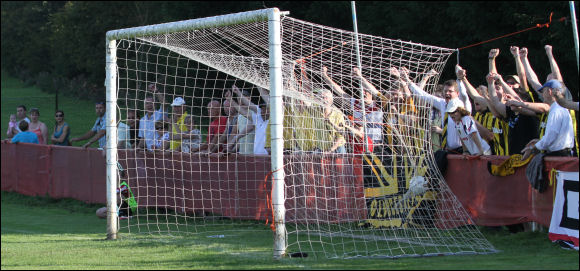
(358, 146)
(217, 127)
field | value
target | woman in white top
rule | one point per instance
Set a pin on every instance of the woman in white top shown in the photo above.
(471, 140)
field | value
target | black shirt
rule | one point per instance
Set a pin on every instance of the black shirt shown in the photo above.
(522, 129)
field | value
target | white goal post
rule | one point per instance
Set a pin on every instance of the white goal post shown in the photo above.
(326, 196)
(273, 17)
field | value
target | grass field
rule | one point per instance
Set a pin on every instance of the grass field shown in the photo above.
(43, 233)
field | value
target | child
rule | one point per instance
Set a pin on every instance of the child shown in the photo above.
(472, 142)
(193, 144)
(162, 136)
(11, 125)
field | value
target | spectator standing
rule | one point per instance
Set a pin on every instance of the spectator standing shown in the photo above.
(133, 123)
(522, 127)
(61, 133)
(162, 136)
(179, 129)
(451, 91)
(471, 141)
(98, 131)
(38, 127)
(558, 139)
(330, 138)
(217, 126)
(193, 142)
(20, 116)
(24, 136)
(147, 132)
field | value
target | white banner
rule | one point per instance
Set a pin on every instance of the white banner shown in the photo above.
(564, 224)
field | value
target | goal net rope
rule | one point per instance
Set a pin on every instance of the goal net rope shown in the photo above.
(359, 172)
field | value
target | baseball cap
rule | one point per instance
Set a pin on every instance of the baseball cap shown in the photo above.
(514, 77)
(453, 105)
(178, 101)
(551, 84)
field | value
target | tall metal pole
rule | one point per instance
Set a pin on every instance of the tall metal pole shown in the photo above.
(359, 65)
(276, 122)
(575, 31)
(111, 147)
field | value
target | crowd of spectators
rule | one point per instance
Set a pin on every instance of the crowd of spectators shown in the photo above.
(511, 114)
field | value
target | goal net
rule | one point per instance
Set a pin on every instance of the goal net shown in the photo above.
(253, 127)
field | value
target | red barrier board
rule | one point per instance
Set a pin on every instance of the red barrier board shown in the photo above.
(198, 184)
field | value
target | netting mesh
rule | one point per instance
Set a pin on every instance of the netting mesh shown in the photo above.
(360, 177)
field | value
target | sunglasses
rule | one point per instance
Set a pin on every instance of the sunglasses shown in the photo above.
(59, 115)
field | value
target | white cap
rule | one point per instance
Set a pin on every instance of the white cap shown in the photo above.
(178, 101)
(453, 105)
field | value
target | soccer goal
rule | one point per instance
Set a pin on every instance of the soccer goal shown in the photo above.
(257, 124)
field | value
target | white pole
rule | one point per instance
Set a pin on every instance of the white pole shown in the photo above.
(276, 123)
(111, 148)
(359, 65)
(575, 31)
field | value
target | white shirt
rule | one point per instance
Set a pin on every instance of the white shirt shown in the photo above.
(100, 124)
(246, 143)
(260, 132)
(159, 140)
(147, 127)
(18, 122)
(453, 140)
(374, 119)
(123, 136)
(465, 128)
(559, 133)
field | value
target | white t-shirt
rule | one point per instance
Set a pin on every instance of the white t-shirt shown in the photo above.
(158, 142)
(260, 132)
(453, 141)
(123, 136)
(188, 144)
(374, 119)
(465, 128)
(147, 127)
(246, 143)
(559, 133)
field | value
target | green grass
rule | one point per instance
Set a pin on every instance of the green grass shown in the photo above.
(43, 233)
(79, 114)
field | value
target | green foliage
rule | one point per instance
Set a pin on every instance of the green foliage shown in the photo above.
(67, 39)
(79, 114)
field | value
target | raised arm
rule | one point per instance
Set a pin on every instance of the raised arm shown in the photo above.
(265, 95)
(520, 67)
(493, 53)
(495, 102)
(530, 74)
(470, 90)
(553, 65)
(506, 88)
(366, 84)
(404, 76)
(426, 77)
(243, 101)
(333, 85)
